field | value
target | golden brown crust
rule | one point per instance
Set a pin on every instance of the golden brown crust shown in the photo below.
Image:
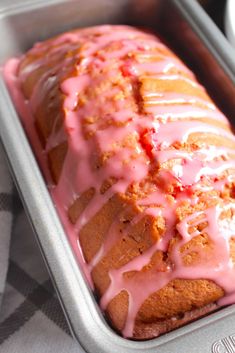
(56, 158)
(146, 331)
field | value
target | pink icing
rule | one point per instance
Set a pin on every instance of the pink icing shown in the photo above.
(162, 123)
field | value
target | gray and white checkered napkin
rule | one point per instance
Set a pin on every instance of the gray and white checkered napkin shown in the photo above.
(31, 319)
(5, 220)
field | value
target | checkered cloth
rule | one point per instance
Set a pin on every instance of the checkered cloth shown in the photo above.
(31, 319)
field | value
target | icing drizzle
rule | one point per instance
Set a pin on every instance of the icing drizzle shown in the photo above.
(119, 104)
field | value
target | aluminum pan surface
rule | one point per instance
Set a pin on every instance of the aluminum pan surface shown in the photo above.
(86, 322)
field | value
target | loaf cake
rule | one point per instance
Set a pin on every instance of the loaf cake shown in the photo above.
(140, 165)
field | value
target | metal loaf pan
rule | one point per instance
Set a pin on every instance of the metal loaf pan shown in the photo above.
(194, 36)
